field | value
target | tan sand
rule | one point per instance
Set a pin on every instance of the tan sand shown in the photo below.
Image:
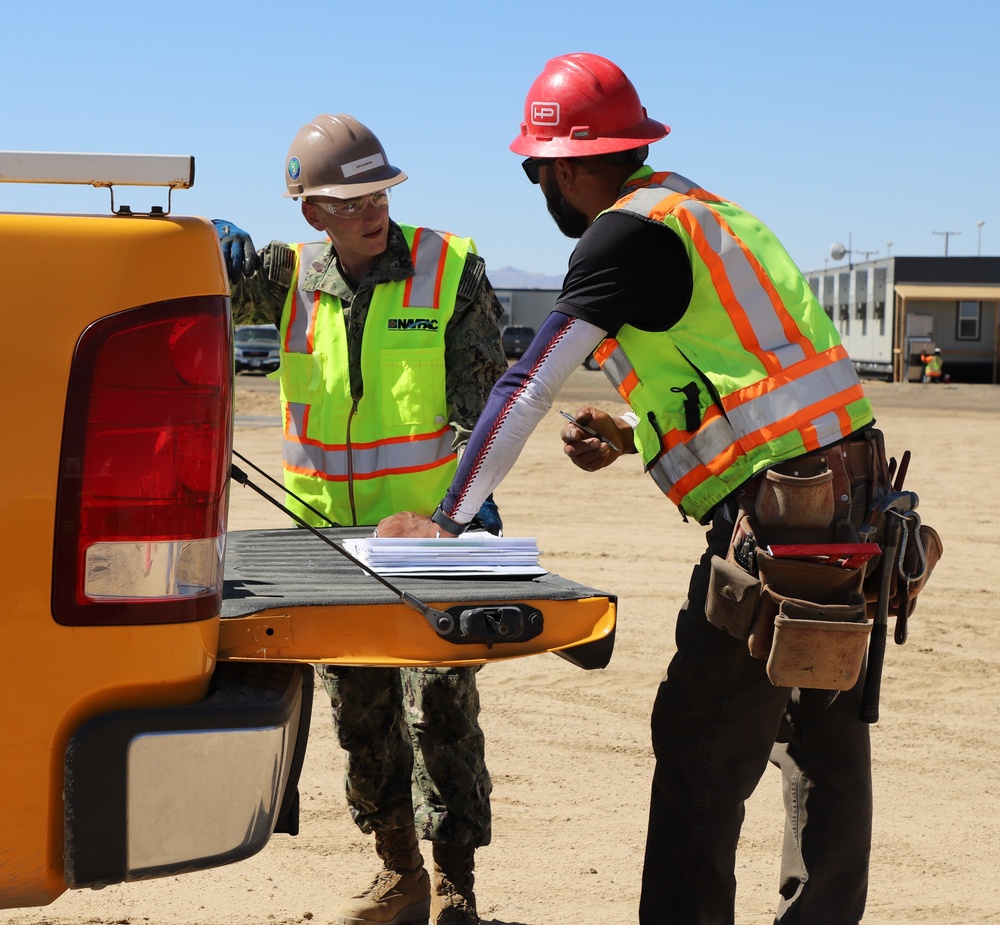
(569, 750)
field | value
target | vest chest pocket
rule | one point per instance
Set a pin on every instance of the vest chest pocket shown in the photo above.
(303, 376)
(413, 390)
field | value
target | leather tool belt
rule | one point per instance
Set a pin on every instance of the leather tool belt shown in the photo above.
(859, 473)
(810, 615)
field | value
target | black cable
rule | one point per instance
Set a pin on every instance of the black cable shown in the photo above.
(274, 481)
(441, 622)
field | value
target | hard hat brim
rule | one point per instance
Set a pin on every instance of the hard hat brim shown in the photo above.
(389, 176)
(646, 132)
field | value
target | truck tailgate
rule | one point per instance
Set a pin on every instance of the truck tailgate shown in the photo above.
(288, 596)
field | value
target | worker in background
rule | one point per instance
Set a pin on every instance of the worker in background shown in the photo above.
(703, 323)
(933, 365)
(390, 343)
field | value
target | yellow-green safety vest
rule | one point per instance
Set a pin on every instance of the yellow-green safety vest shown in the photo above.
(752, 374)
(392, 450)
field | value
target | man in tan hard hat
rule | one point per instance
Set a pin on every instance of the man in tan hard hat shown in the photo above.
(390, 344)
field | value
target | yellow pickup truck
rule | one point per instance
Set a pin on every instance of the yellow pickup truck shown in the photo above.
(158, 671)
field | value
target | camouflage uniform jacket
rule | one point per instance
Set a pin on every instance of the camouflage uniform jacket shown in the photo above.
(474, 357)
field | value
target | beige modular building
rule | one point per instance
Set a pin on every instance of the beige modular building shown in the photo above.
(890, 311)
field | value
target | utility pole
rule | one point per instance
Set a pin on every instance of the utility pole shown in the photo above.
(947, 234)
(979, 242)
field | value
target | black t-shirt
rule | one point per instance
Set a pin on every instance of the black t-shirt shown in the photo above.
(627, 270)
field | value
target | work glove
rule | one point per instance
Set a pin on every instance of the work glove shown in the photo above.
(488, 518)
(238, 253)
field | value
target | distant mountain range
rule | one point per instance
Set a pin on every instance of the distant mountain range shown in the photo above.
(512, 278)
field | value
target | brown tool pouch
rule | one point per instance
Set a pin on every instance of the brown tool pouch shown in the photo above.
(794, 580)
(814, 581)
(815, 649)
(733, 585)
(733, 597)
(819, 646)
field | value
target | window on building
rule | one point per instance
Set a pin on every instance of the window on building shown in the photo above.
(969, 318)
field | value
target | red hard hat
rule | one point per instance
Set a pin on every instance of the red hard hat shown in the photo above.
(583, 104)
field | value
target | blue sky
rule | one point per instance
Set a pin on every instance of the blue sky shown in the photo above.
(875, 120)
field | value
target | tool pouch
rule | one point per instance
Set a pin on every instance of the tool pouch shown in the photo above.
(733, 597)
(811, 625)
(819, 646)
(812, 620)
(795, 496)
(808, 585)
(813, 581)
(733, 585)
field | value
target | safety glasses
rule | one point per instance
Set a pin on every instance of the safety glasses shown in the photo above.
(352, 208)
(530, 166)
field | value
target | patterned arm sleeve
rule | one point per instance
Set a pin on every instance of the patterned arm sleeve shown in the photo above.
(517, 403)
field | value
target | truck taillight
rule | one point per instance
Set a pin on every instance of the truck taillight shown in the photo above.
(147, 438)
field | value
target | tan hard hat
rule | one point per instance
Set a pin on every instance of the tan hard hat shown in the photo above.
(337, 156)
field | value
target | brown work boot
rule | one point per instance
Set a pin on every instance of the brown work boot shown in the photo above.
(400, 894)
(452, 899)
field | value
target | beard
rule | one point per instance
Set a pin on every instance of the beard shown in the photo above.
(571, 222)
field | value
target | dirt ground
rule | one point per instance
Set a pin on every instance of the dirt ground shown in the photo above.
(569, 750)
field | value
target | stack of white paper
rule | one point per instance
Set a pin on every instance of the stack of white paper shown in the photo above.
(469, 554)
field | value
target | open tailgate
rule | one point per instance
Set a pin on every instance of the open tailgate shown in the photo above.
(289, 596)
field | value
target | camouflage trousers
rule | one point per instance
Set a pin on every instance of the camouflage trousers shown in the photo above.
(415, 753)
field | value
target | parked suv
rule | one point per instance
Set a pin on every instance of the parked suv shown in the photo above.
(256, 348)
(515, 339)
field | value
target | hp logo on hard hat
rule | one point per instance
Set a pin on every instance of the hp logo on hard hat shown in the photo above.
(544, 113)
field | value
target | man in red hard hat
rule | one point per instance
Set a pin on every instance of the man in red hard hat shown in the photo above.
(731, 368)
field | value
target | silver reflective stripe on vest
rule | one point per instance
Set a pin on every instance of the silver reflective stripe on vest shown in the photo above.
(796, 397)
(370, 460)
(709, 443)
(673, 182)
(744, 421)
(755, 300)
(297, 334)
(423, 287)
(768, 411)
(295, 422)
(616, 367)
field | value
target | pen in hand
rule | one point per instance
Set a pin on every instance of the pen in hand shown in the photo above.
(590, 430)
